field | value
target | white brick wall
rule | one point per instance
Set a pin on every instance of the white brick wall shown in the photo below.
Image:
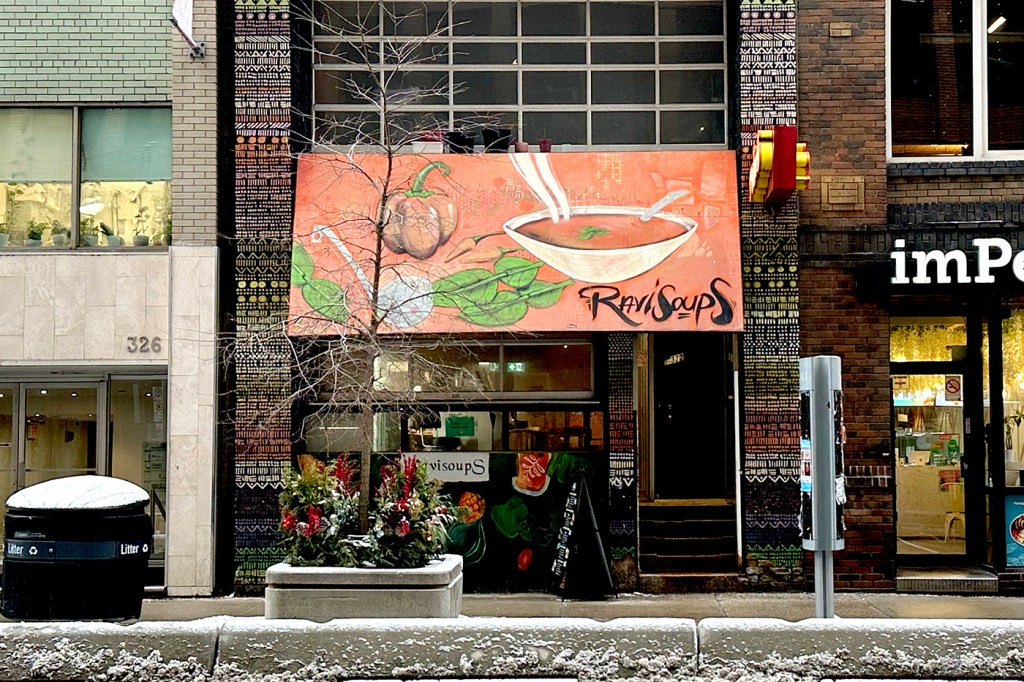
(87, 51)
(194, 144)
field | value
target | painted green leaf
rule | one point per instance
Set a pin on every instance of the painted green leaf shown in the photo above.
(516, 272)
(302, 265)
(326, 298)
(507, 308)
(467, 287)
(591, 231)
(565, 467)
(544, 294)
(508, 517)
(469, 541)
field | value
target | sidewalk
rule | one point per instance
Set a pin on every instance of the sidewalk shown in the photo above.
(788, 606)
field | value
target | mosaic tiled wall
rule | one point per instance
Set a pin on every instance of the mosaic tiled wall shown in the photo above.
(768, 96)
(263, 221)
(622, 464)
(767, 52)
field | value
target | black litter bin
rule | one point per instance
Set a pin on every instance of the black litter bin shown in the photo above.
(76, 549)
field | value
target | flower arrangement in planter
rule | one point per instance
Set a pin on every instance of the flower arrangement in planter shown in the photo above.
(396, 569)
(409, 518)
(319, 513)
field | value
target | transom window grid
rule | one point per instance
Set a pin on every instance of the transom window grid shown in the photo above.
(610, 85)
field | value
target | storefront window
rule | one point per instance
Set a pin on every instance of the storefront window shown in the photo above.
(561, 367)
(933, 339)
(425, 429)
(138, 447)
(470, 370)
(440, 369)
(1013, 394)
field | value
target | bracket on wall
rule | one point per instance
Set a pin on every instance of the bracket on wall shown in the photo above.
(780, 166)
(181, 18)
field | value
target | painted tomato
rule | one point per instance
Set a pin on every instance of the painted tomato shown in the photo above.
(524, 560)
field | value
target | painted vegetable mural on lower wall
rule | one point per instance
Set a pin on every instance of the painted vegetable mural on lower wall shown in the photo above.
(576, 241)
(508, 538)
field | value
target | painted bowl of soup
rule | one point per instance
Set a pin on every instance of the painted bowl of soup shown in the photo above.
(601, 244)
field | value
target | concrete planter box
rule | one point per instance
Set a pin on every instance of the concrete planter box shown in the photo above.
(321, 594)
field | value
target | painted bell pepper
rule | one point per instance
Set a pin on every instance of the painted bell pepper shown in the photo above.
(419, 220)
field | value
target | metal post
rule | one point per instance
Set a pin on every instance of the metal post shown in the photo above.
(822, 486)
(824, 597)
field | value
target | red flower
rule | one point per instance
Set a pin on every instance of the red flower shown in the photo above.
(313, 514)
(289, 520)
(402, 529)
(410, 470)
(345, 473)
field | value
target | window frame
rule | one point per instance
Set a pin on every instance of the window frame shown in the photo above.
(518, 110)
(979, 95)
(74, 223)
(500, 395)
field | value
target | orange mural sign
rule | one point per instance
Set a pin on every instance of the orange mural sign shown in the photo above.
(609, 241)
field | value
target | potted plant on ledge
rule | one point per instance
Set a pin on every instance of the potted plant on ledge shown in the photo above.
(396, 570)
(34, 234)
(112, 239)
(59, 233)
(88, 231)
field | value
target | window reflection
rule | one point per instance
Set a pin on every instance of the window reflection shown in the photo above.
(118, 213)
(932, 78)
(123, 164)
(425, 429)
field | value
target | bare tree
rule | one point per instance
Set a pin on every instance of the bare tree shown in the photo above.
(359, 357)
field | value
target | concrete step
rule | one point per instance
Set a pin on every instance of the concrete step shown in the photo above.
(690, 563)
(671, 583)
(946, 581)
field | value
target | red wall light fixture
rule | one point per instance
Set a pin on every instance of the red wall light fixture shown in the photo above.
(780, 166)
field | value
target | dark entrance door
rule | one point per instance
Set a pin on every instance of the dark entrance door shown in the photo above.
(693, 439)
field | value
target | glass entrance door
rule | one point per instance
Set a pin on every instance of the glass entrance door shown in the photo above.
(60, 435)
(8, 458)
(928, 424)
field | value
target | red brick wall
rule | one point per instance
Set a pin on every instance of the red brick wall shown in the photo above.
(841, 110)
(834, 322)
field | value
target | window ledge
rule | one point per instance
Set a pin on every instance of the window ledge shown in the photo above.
(930, 169)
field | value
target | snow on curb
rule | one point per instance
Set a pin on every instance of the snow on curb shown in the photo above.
(107, 652)
(476, 648)
(770, 649)
(625, 650)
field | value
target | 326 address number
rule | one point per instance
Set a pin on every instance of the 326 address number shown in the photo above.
(144, 344)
